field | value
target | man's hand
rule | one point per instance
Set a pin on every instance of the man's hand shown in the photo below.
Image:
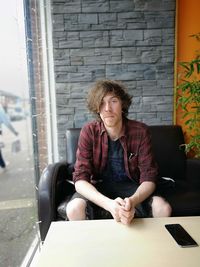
(127, 212)
(115, 208)
(122, 210)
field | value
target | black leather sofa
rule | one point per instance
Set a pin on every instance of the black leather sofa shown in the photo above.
(54, 187)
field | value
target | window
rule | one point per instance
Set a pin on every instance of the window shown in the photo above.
(27, 98)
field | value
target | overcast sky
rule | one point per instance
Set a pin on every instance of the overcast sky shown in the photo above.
(13, 68)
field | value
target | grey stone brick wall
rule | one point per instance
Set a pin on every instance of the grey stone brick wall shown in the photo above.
(130, 40)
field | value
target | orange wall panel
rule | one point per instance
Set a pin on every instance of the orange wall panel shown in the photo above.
(188, 23)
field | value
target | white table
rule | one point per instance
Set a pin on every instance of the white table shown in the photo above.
(106, 243)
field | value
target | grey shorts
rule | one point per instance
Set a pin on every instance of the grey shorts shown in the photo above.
(113, 190)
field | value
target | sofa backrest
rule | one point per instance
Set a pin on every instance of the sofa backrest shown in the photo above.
(166, 142)
(72, 136)
(169, 154)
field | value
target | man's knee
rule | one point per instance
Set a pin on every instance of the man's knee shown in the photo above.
(76, 209)
(160, 207)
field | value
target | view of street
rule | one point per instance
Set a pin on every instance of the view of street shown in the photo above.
(18, 215)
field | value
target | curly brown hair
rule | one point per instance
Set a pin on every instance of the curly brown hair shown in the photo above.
(101, 88)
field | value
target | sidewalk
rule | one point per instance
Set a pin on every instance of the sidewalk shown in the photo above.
(18, 213)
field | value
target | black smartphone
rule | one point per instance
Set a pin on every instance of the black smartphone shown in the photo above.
(181, 236)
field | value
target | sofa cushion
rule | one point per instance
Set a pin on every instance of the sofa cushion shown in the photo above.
(185, 203)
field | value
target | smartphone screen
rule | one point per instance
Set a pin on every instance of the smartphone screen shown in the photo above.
(180, 235)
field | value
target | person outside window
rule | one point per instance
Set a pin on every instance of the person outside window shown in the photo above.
(4, 119)
(115, 167)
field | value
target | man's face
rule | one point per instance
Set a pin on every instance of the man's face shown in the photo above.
(111, 111)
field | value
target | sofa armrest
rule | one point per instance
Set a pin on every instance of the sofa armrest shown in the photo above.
(193, 173)
(48, 196)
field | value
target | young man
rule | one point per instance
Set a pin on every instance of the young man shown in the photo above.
(115, 168)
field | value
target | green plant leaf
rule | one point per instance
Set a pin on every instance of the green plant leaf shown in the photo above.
(188, 99)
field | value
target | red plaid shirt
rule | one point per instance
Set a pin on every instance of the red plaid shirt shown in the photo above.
(92, 152)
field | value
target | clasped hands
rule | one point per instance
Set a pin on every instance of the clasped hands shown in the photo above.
(122, 210)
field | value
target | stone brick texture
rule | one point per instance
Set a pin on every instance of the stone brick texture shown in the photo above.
(130, 40)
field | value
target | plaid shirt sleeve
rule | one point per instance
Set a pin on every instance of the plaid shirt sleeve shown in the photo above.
(147, 165)
(83, 166)
(141, 163)
(146, 162)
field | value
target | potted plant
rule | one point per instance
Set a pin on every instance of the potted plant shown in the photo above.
(188, 99)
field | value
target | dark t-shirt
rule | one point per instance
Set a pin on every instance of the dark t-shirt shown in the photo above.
(115, 170)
